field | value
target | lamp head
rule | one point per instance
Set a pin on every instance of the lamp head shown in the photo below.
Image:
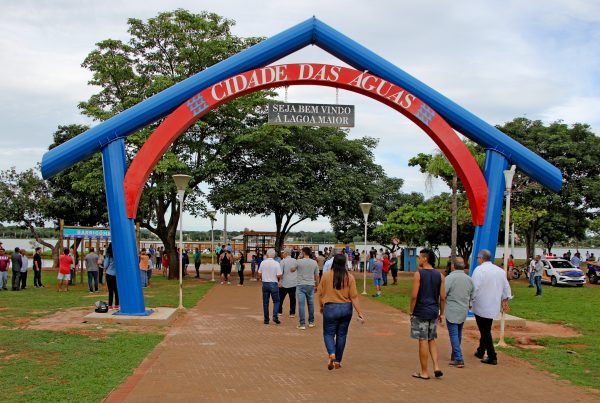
(365, 207)
(509, 174)
(211, 215)
(181, 181)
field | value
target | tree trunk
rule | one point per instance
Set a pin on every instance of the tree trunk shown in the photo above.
(454, 233)
(530, 241)
(167, 233)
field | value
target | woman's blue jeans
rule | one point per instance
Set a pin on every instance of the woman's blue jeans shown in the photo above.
(455, 332)
(336, 320)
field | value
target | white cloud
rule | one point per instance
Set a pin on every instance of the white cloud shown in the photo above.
(499, 60)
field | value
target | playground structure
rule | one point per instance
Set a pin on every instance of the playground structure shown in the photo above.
(251, 70)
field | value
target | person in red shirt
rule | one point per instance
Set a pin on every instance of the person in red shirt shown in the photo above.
(4, 265)
(64, 271)
(386, 267)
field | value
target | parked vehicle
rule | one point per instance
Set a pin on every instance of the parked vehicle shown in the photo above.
(593, 271)
(519, 271)
(561, 271)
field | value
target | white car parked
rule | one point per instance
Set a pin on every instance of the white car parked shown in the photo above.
(561, 271)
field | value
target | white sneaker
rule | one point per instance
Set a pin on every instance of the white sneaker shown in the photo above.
(311, 325)
(301, 327)
(229, 282)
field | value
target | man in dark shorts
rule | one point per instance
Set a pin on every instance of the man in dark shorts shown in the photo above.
(426, 308)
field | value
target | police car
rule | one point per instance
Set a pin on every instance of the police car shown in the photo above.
(561, 271)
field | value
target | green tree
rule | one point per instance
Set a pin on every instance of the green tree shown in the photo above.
(436, 165)
(429, 224)
(575, 150)
(160, 52)
(22, 195)
(296, 174)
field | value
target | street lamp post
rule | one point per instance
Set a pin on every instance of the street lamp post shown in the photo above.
(211, 216)
(365, 207)
(181, 181)
(508, 179)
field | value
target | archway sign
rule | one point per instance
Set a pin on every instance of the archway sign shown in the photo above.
(249, 71)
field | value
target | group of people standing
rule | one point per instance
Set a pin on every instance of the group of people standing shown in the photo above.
(301, 281)
(19, 263)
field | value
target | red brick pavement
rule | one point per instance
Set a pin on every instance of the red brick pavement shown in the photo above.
(221, 351)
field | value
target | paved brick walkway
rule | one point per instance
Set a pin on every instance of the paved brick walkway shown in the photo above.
(221, 351)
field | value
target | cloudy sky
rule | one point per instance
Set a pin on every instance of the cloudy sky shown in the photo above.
(498, 59)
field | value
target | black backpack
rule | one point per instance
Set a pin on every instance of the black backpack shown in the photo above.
(101, 307)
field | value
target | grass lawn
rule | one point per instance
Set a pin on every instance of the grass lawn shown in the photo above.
(38, 365)
(576, 359)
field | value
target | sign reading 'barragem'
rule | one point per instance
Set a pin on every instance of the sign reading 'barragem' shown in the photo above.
(311, 115)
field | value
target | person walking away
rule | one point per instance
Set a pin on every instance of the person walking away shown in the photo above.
(197, 261)
(144, 268)
(159, 253)
(289, 281)
(24, 268)
(15, 260)
(538, 272)
(225, 262)
(531, 271)
(239, 264)
(377, 269)
(37, 268)
(4, 265)
(459, 293)
(185, 260)
(165, 262)
(491, 293)
(64, 271)
(270, 274)
(75, 257)
(426, 309)
(394, 268)
(511, 266)
(91, 265)
(111, 278)
(337, 295)
(149, 272)
(101, 266)
(355, 259)
(386, 268)
(320, 263)
(308, 278)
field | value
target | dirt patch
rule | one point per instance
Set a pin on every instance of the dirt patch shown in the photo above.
(73, 321)
(527, 343)
(531, 331)
(526, 337)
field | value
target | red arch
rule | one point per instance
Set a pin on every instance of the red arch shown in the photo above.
(308, 74)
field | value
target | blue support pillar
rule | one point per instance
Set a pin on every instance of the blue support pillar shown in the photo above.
(122, 231)
(486, 235)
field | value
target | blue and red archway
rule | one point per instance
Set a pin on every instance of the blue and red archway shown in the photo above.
(430, 110)
(308, 74)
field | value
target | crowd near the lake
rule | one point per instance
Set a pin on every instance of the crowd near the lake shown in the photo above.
(315, 280)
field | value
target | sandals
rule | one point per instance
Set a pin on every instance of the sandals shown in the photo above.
(330, 363)
(438, 373)
(419, 376)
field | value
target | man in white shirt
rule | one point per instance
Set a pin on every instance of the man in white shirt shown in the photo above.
(491, 292)
(289, 281)
(270, 274)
